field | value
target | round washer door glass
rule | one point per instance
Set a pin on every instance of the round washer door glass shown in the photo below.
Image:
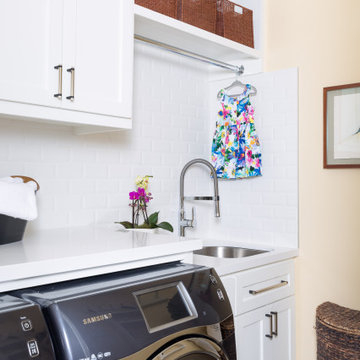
(195, 348)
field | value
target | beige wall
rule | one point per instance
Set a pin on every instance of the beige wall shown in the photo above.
(322, 39)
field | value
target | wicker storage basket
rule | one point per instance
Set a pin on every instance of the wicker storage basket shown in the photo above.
(200, 13)
(166, 7)
(337, 332)
(235, 25)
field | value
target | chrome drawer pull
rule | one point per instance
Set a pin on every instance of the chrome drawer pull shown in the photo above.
(72, 84)
(59, 93)
(256, 292)
(275, 332)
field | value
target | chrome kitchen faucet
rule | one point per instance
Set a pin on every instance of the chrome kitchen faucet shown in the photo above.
(184, 223)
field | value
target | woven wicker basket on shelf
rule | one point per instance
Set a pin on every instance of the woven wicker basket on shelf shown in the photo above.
(235, 25)
(166, 7)
(200, 13)
(338, 332)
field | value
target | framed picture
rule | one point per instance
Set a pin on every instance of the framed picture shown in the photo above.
(342, 126)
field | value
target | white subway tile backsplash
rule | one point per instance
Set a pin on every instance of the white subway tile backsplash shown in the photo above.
(49, 220)
(266, 208)
(107, 186)
(96, 171)
(81, 217)
(64, 203)
(4, 150)
(82, 187)
(67, 170)
(118, 171)
(103, 215)
(20, 152)
(83, 155)
(95, 201)
(274, 199)
(161, 146)
(285, 186)
(53, 187)
(118, 200)
(86, 179)
(37, 170)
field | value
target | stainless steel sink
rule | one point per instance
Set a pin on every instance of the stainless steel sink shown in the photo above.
(228, 251)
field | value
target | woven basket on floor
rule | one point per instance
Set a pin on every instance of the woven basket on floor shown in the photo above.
(199, 13)
(234, 25)
(338, 332)
(166, 7)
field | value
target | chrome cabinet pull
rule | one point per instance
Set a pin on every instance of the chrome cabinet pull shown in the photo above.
(270, 335)
(256, 292)
(275, 332)
(72, 85)
(59, 93)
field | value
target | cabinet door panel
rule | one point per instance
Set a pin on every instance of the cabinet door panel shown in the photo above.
(100, 48)
(32, 36)
(283, 343)
(250, 330)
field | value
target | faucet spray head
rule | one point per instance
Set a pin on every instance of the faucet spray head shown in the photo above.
(217, 208)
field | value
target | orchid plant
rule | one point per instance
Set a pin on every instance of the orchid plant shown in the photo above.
(139, 203)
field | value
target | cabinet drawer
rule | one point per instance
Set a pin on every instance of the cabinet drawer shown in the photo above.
(263, 285)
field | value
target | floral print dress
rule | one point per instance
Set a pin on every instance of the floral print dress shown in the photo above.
(235, 147)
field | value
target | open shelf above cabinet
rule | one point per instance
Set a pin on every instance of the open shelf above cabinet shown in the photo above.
(164, 29)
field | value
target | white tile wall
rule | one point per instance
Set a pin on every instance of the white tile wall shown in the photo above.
(265, 209)
(86, 179)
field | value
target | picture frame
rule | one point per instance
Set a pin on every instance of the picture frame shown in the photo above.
(342, 126)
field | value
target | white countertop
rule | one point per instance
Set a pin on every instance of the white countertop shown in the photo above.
(224, 266)
(63, 254)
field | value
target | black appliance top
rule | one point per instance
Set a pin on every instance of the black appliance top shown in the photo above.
(119, 314)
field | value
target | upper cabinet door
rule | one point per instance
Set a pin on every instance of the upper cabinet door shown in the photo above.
(98, 56)
(30, 42)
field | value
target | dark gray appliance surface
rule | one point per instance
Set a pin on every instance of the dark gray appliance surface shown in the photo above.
(100, 315)
(23, 331)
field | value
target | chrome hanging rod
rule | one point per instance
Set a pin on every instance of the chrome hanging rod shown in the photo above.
(237, 69)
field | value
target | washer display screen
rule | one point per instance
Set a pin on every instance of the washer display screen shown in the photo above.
(165, 306)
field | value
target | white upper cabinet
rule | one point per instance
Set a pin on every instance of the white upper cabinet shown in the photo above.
(69, 61)
(31, 38)
(98, 37)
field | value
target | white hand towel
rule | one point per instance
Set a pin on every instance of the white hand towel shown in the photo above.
(17, 199)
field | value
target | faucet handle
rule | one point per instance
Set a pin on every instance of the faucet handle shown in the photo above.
(193, 217)
(187, 222)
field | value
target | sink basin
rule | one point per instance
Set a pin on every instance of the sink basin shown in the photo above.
(228, 251)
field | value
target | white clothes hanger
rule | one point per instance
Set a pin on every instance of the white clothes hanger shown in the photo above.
(238, 83)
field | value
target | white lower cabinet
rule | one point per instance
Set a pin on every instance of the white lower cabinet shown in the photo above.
(266, 333)
(263, 305)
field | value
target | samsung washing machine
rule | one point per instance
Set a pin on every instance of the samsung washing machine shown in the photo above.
(23, 331)
(173, 311)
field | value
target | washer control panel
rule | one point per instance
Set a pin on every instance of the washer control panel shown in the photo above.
(24, 334)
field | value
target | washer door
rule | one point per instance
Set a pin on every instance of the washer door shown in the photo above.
(194, 348)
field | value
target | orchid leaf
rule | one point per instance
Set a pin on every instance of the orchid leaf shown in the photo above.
(126, 224)
(166, 226)
(153, 219)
